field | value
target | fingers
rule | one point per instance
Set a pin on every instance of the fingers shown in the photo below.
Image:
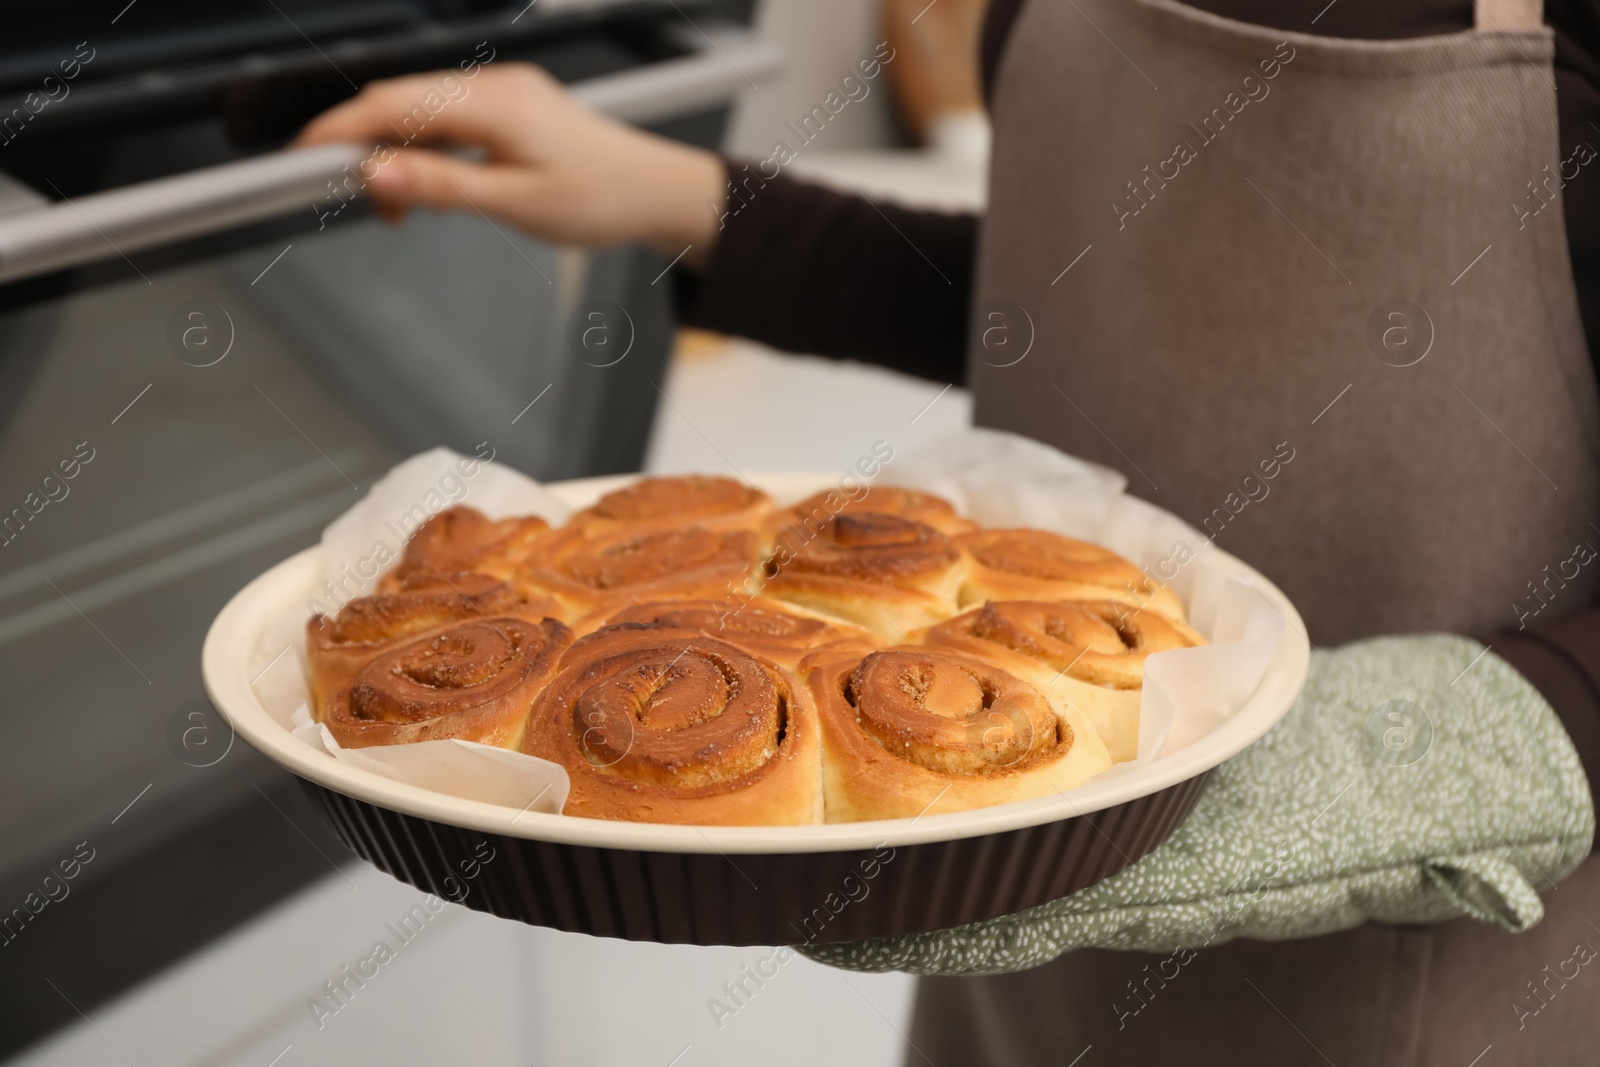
(490, 111)
(417, 177)
(555, 169)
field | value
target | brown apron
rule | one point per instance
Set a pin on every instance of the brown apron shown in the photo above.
(1312, 295)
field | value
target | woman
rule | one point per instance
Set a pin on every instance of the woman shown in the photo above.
(1355, 233)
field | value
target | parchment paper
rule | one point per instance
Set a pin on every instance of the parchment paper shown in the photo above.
(1002, 479)
(376, 528)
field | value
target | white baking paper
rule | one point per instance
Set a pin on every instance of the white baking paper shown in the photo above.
(1003, 479)
(460, 768)
(357, 548)
(367, 540)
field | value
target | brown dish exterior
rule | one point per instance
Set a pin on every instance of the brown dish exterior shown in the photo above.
(666, 724)
(473, 681)
(772, 898)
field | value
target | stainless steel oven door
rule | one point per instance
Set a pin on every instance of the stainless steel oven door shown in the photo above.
(167, 436)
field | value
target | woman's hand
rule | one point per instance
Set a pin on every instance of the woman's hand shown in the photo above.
(552, 168)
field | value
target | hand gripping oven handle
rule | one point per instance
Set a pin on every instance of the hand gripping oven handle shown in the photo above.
(723, 61)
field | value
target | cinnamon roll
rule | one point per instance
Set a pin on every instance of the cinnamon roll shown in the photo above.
(666, 724)
(337, 646)
(888, 575)
(1085, 655)
(464, 539)
(810, 515)
(710, 502)
(588, 572)
(911, 730)
(474, 681)
(763, 627)
(1039, 565)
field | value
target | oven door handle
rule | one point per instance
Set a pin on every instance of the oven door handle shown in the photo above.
(722, 61)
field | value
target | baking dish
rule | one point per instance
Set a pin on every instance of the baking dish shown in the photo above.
(737, 885)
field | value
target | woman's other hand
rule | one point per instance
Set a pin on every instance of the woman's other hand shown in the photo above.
(551, 167)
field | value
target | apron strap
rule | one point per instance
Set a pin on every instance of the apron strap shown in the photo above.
(1508, 14)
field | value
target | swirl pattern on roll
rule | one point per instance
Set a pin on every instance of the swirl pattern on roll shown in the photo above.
(912, 729)
(587, 573)
(475, 680)
(757, 625)
(338, 646)
(1096, 641)
(666, 724)
(886, 574)
(1023, 564)
(1087, 657)
(464, 539)
(953, 715)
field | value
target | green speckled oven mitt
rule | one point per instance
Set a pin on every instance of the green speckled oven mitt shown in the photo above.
(1416, 779)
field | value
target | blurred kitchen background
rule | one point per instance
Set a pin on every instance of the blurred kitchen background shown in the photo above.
(236, 383)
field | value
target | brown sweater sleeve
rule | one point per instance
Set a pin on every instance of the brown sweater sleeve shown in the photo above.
(806, 269)
(1562, 660)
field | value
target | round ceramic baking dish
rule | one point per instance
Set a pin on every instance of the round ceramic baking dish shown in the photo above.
(736, 885)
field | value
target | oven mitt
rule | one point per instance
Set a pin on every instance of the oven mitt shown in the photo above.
(1416, 779)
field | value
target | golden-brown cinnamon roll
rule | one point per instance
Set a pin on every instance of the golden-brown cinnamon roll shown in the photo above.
(888, 575)
(464, 539)
(1039, 565)
(710, 502)
(589, 573)
(912, 730)
(766, 628)
(665, 724)
(337, 646)
(1087, 655)
(474, 681)
(808, 517)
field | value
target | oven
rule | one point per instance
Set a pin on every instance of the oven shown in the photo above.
(209, 347)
